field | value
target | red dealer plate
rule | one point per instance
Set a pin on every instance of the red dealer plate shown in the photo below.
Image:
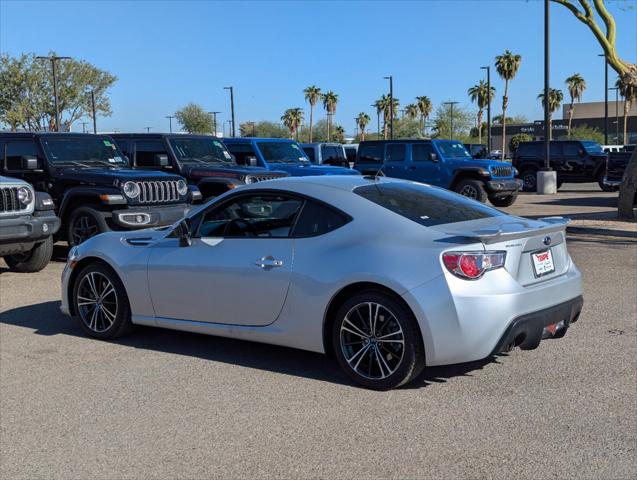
(542, 263)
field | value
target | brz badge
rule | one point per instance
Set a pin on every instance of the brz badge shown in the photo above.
(547, 241)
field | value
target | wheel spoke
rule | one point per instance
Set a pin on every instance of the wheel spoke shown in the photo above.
(399, 332)
(110, 316)
(391, 341)
(383, 362)
(360, 358)
(358, 330)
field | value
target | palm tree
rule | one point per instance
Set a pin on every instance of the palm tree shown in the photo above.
(362, 120)
(481, 95)
(379, 110)
(555, 100)
(330, 99)
(411, 110)
(292, 118)
(629, 92)
(383, 103)
(312, 95)
(425, 106)
(339, 134)
(576, 86)
(507, 66)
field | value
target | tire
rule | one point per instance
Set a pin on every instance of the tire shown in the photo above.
(529, 177)
(34, 260)
(600, 182)
(84, 223)
(504, 201)
(109, 317)
(472, 189)
(380, 363)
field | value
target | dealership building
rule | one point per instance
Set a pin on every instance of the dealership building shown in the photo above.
(589, 114)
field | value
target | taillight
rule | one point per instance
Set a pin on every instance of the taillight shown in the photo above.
(472, 265)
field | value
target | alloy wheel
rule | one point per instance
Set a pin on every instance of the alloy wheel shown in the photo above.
(84, 227)
(372, 341)
(469, 191)
(97, 302)
(529, 181)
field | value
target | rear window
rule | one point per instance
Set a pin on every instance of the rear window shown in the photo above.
(425, 205)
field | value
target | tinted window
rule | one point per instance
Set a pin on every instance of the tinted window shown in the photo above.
(309, 151)
(252, 216)
(123, 145)
(281, 152)
(396, 152)
(241, 151)
(420, 152)
(201, 150)
(15, 150)
(371, 153)
(453, 149)
(571, 149)
(351, 154)
(145, 151)
(317, 219)
(529, 149)
(425, 205)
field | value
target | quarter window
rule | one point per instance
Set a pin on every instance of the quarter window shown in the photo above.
(317, 219)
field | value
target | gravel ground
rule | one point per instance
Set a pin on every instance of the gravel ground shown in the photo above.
(163, 404)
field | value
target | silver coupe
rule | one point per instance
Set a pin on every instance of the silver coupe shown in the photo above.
(389, 276)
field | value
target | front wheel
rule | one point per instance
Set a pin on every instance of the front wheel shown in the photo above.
(600, 182)
(34, 260)
(84, 223)
(529, 179)
(504, 201)
(377, 341)
(473, 189)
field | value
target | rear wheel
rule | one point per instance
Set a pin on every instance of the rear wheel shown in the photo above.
(473, 189)
(504, 201)
(84, 223)
(600, 182)
(34, 260)
(377, 341)
(529, 177)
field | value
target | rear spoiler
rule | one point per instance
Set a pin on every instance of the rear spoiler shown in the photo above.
(512, 230)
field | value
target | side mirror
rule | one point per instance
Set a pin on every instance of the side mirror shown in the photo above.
(29, 162)
(581, 153)
(161, 160)
(184, 233)
(433, 157)
(251, 161)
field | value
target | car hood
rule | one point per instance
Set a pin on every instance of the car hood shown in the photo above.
(303, 170)
(111, 177)
(238, 171)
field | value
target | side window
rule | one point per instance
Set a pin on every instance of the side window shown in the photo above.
(122, 143)
(309, 151)
(571, 149)
(318, 219)
(420, 152)
(327, 153)
(396, 152)
(252, 216)
(351, 154)
(145, 151)
(241, 151)
(372, 153)
(16, 149)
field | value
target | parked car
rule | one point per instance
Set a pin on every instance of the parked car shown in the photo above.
(91, 183)
(575, 161)
(350, 152)
(444, 163)
(202, 159)
(477, 150)
(326, 154)
(616, 166)
(27, 225)
(279, 154)
(387, 275)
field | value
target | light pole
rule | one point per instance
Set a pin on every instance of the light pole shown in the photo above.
(148, 129)
(616, 114)
(214, 122)
(84, 127)
(451, 104)
(170, 122)
(605, 98)
(391, 106)
(488, 69)
(53, 61)
(231, 105)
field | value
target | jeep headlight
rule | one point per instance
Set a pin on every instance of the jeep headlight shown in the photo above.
(131, 189)
(182, 188)
(24, 195)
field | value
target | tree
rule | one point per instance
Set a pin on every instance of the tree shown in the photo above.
(514, 143)
(292, 118)
(408, 128)
(383, 104)
(263, 129)
(555, 100)
(312, 95)
(425, 107)
(507, 66)
(584, 132)
(330, 99)
(462, 122)
(339, 134)
(575, 85)
(194, 119)
(629, 94)
(26, 92)
(627, 72)
(411, 111)
(362, 120)
(481, 95)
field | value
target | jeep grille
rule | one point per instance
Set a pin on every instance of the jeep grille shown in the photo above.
(260, 178)
(9, 200)
(158, 191)
(502, 171)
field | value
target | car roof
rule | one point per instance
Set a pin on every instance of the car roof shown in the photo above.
(163, 135)
(256, 139)
(318, 144)
(50, 134)
(402, 140)
(341, 182)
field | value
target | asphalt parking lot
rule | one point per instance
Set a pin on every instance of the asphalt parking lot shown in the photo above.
(162, 404)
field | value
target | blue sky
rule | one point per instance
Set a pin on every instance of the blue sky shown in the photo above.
(167, 53)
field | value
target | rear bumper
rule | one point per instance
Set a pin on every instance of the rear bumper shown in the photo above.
(20, 234)
(504, 186)
(145, 217)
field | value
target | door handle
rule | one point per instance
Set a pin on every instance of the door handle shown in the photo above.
(268, 262)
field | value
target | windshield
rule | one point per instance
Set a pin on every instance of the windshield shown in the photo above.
(282, 152)
(85, 151)
(593, 147)
(453, 150)
(201, 150)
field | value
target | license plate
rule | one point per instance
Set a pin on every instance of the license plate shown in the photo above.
(543, 263)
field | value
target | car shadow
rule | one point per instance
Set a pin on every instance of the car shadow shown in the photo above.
(592, 201)
(46, 319)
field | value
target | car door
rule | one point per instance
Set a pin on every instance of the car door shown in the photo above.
(395, 160)
(572, 154)
(423, 167)
(237, 269)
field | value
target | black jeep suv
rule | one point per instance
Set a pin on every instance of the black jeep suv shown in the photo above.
(204, 160)
(574, 161)
(92, 184)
